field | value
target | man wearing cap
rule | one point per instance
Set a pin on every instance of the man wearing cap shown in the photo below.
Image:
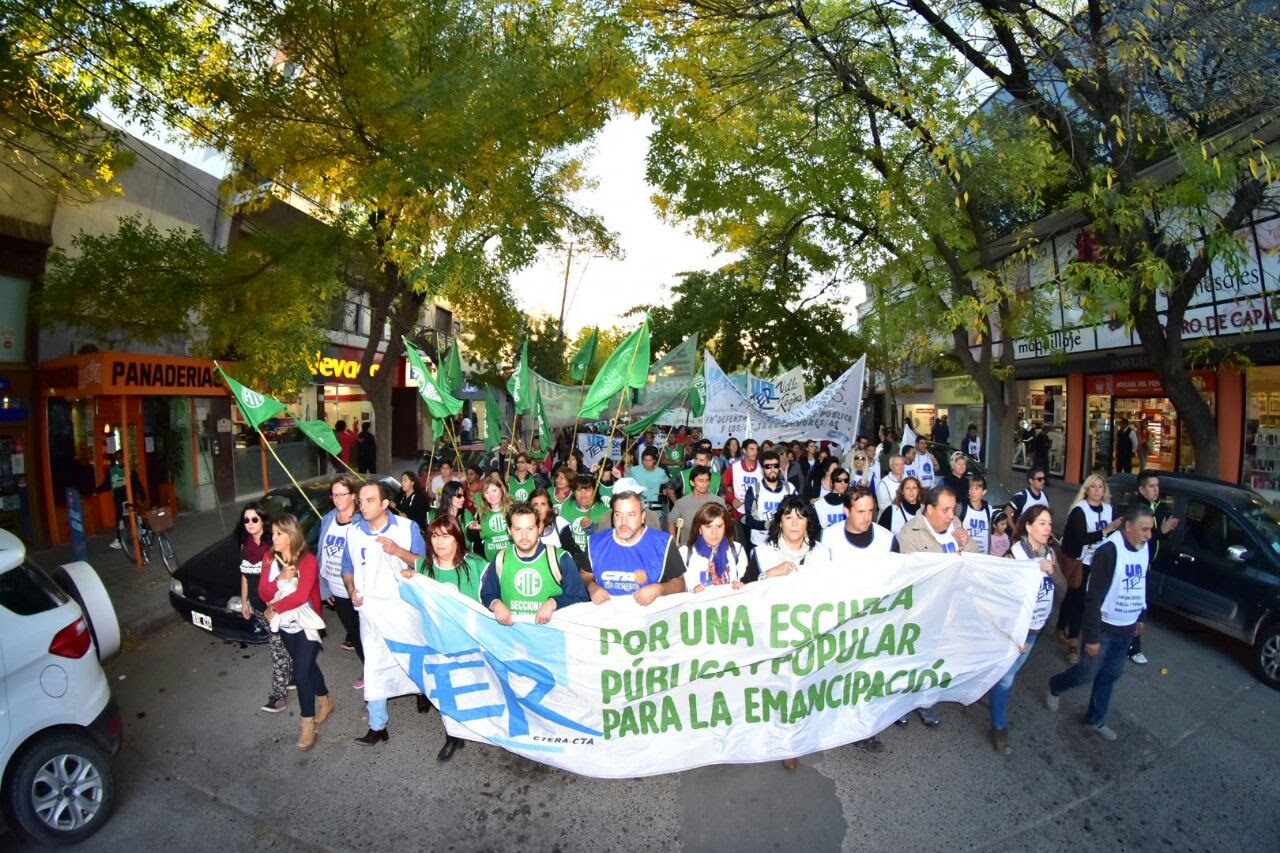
(632, 558)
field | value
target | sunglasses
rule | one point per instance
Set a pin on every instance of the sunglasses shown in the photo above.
(251, 519)
(842, 479)
(772, 467)
(1037, 479)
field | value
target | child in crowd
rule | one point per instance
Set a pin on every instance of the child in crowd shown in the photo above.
(1000, 535)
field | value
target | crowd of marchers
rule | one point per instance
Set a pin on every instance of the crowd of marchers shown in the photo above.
(527, 532)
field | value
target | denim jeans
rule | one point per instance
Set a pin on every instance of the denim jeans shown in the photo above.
(377, 714)
(1103, 669)
(306, 670)
(998, 699)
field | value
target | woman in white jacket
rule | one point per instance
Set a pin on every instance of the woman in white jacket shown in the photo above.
(710, 558)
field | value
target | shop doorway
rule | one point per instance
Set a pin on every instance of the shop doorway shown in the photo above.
(1162, 445)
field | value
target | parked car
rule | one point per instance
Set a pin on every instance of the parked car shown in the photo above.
(998, 495)
(205, 590)
(58, 720)
(1221, 566)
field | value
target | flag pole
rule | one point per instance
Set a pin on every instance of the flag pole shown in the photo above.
(622, 397)
(289, 473)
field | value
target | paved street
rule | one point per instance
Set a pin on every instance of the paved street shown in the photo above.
(203, 769)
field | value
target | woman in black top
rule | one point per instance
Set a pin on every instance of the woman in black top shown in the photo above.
(413, 502)
(1090, 521)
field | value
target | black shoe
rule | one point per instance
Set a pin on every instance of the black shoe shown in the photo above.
(373, 736)
(451, 745)
(424, 704)
(871, 744)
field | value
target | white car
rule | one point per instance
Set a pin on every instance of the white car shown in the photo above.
(58, 720)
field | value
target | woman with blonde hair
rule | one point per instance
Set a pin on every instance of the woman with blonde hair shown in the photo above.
(1089, 522)
(289, 556)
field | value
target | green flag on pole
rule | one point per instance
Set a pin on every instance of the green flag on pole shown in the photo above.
(255, 407)
(322, 434)
(637, 427)
(583, 357)
(519, 386)
(492, 422)
(439, 402)
(627, 367)
(698, 394)
(451, 370)
(437, 429)
(543, 427)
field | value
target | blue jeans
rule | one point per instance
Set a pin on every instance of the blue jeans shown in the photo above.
(998, 699)
(1103, 669)
(377, 714)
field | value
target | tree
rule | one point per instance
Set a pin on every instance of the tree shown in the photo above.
(59, 60)
(435, 136)
(1161, 115)
(262, 304)
(794, 135)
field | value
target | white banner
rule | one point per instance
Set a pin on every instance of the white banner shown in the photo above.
(780, 668)
(832, 415)
(593, 447)
(789, 387)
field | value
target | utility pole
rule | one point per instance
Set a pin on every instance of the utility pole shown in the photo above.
(564, 294)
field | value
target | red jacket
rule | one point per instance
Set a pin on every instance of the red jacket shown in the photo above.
(308, 584)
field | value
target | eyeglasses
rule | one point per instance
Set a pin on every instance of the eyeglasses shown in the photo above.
(336, 495)
(251, 519)
(1037, 479)
(772, 467)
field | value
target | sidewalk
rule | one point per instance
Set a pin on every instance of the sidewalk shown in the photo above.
(141, 596)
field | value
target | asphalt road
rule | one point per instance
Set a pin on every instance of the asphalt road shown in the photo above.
(1194, 769)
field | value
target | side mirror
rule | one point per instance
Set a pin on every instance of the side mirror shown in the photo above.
(1239, 554)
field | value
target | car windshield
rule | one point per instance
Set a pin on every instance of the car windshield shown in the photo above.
(293, 503)
(1265, 519)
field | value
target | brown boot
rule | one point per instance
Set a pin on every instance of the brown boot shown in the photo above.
(324, 707)
(1000, 740)
(791, 763)
(307, 738)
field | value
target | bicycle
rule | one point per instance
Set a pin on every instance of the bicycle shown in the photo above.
(152, 531)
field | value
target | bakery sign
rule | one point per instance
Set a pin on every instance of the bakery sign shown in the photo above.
(130, 373)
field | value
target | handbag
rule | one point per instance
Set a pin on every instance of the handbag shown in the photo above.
(1072, 570)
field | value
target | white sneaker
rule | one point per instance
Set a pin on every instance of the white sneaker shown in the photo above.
(1104, 731)
(115, 543)
(1140, 659)
(1050, 701)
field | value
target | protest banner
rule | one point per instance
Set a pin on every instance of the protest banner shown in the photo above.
(594, 446)
(780, 668)
(830, 415)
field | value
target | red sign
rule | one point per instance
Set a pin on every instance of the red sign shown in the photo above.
(1143, 384)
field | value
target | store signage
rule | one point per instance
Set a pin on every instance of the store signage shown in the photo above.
(166, 376)
(330, 367)
(1142, 384)
(129, 373)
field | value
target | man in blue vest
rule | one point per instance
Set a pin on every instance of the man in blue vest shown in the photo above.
(630, 558)
(1115, 605)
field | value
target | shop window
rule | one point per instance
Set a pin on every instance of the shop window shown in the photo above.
(1261, 469)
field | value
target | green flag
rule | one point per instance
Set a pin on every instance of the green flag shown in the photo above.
(492, 422)
(451, 370)
(439, 402)
(698, 394)
(583, 357)
(627, 367)
(322, 434)
(255, 407)
(519, 386)
(543, 427)
(637, 427)
(437, 429)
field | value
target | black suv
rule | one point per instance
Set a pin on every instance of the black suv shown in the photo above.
(1221, 566)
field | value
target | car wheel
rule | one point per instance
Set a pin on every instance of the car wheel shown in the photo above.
(1266, 656)
(61, 790)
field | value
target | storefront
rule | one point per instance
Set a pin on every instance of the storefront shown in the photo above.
(1139, 399)
(168, 416)
(1044, 408)
(1261, 467)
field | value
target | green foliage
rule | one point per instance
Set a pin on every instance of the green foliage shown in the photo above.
(262, 305)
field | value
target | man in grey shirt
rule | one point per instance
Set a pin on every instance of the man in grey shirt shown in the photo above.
(685, 508)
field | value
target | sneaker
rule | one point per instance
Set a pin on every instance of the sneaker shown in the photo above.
(348, 646)
(1073, 657)
(293, 685)
(929, 718)
(1104, 731)
(114, 544)
(1050, 701)
(902, 721)
(1061, 636)
(275, 706)
(871, 744)
(358, 684)
(1140, 659)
